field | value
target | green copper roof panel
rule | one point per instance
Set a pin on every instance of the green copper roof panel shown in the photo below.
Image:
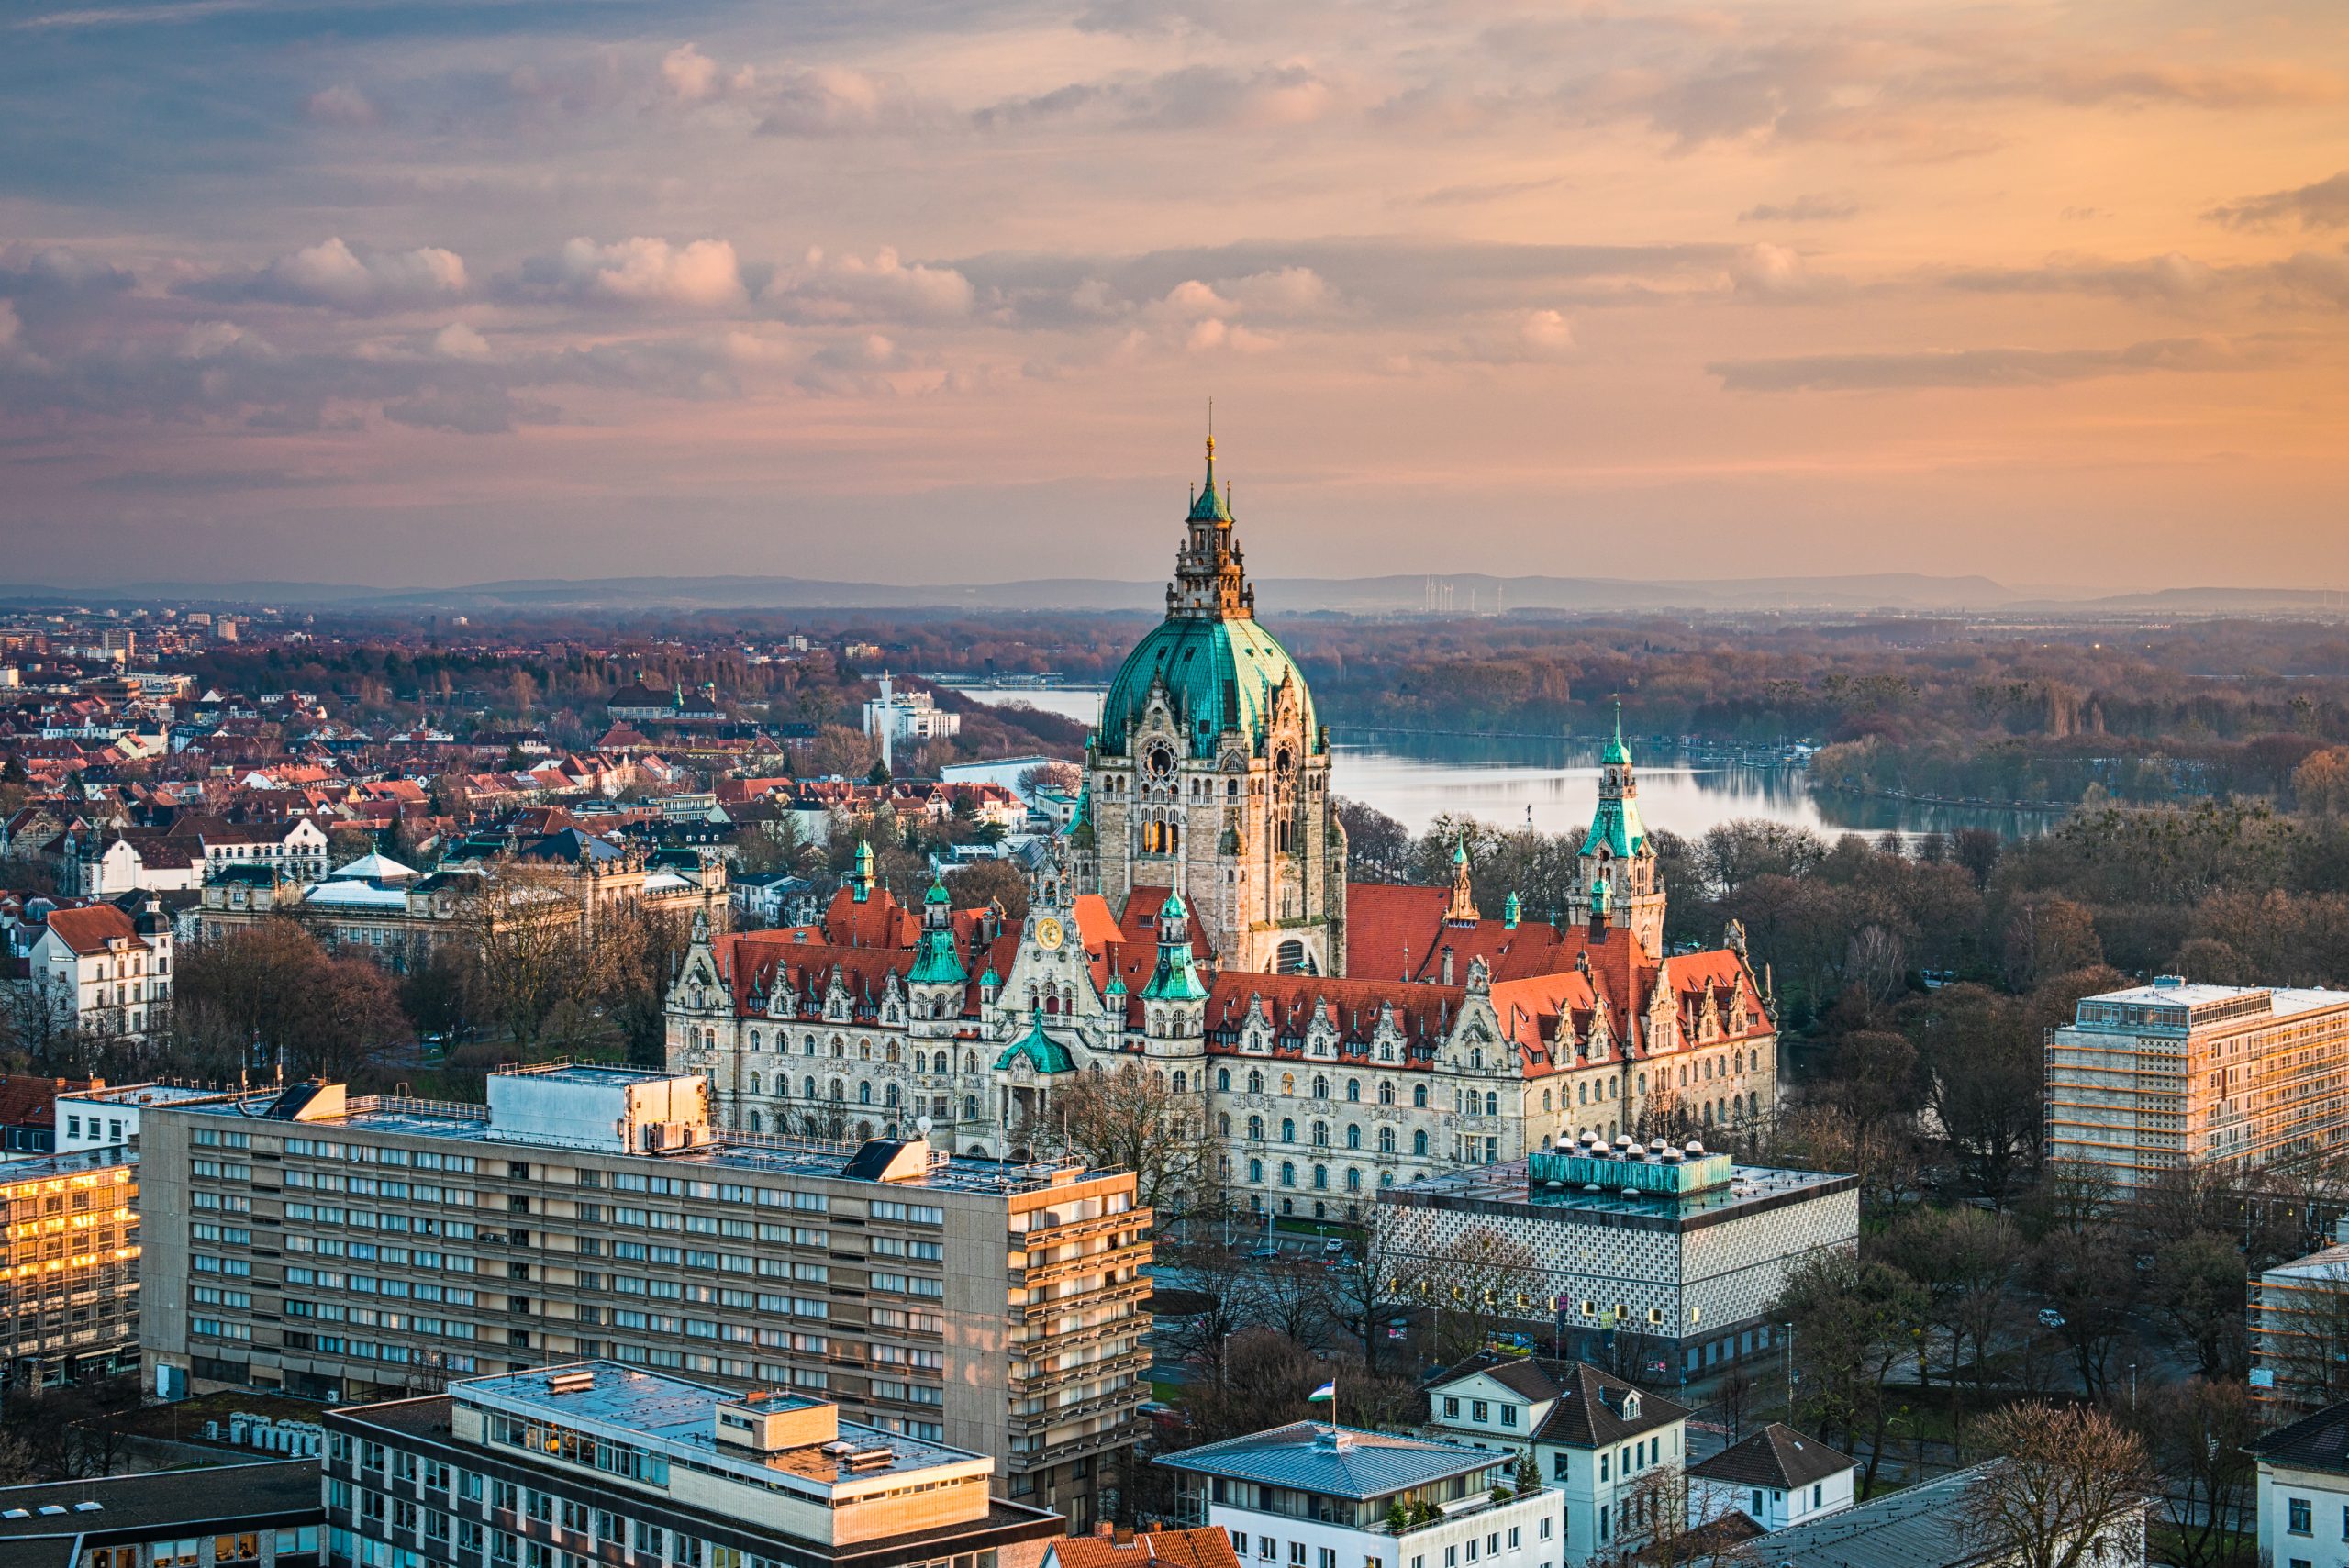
(1220, 675)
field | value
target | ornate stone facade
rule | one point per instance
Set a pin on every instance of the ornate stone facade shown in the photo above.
(1195, 921)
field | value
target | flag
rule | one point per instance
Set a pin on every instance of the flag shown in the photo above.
(1327, 1391)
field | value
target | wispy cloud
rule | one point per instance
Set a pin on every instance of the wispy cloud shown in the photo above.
(1976, 367)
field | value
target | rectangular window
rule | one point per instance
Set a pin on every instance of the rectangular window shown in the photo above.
(1452, 1407)
(2301, 1520)
(1296, 1554)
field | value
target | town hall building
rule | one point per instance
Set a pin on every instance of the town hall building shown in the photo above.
(1195, 920)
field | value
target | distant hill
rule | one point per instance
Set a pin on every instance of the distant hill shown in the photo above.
(1456, 594)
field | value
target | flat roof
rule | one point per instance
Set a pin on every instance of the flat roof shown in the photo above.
(143, 1094)
(1907, 1529)
(752, 1154)
(2285, 999)
(162, 1500)
(1748, 1186)
(669, 1414)
(1338, 1461)
(79, 1162)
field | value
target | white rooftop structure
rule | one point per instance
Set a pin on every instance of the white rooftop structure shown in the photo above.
(372, 867)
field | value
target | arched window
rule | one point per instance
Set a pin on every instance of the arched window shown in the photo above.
(1353, 1135)
(1476, 1057)
(1545, 1099)
(1420, 1144)
(1256, 1129)
(755, 1125)
(865, 1094)
(1255, 1081)
(1320, 1087)
(1354, 1179)
(754, 1040)
(1353, 1090)
(1223, 1079)
(1256, 1171)
(839, 1048)
(1320, 1178)
(970, 1107)
(809, 1089)
(1582, 1093)
(1288, 1130)
(1387, 1093)
(1288, 1083)
(1182, 1082)
(809, 1049)
(893, 1051)
(1419, 1095)
(1289, 958)
(1288, 1174)
(755, 1083)
(889, 1095)
(1643, 1083)
(970, 1062)
(1492, 1103)
(1386, 1141)
(1223, 1124)
(1321, 1135)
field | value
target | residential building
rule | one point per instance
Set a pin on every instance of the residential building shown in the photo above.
(99, 1115)
(96, 971)
(1315, 1495)
(2298, 1323)
(2157, 1078)
(1913, 1528)
(770, 898)
(28, 1112)
(1775, 1478)
(2303, 1498)
(69, 1273)
(910, 716)
(1205, 1547)
(347, 1248)
(598, 1461)
(266, 1515)
(1659, 1262)
(1195, 918)
(1605, 1448)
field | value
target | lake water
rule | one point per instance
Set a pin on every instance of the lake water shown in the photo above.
(1514, 782)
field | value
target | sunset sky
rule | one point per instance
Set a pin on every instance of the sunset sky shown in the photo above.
(401, 292)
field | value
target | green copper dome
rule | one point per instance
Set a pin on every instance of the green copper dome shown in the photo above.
(1220, 674)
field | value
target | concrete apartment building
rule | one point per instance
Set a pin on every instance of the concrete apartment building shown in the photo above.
(351, 1248)
(600, 1461)
(1657, 1261)
(2156, 1077)
(68, 1272)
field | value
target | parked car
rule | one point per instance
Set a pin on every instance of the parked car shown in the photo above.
(2050, 1318)
(1267, 1251)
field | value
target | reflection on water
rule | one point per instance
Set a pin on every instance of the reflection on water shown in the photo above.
(1551, 785)
(1511, 780)
(1082, 704)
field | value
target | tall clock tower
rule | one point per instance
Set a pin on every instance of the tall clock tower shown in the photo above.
(1209, 774)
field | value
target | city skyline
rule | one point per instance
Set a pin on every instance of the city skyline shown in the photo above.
(431, 294)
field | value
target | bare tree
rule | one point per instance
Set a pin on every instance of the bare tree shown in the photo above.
(1130, 1117)
(2198, 1435)
(2069, 1486)
(1293, 1297)
(1375, 1286)
(1479, 1286)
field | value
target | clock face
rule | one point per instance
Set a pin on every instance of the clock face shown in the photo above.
(1159, 761)
(1048, 932)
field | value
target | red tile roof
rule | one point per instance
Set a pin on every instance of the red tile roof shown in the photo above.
(89, 929)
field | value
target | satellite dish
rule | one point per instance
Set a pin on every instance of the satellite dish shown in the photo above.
(923, 1124)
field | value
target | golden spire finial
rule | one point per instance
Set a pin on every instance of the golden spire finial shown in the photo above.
(1210, 429)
